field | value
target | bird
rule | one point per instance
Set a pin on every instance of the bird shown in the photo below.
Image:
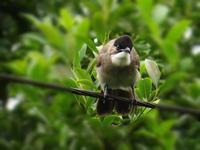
(116, 65)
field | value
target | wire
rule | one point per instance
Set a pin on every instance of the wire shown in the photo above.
(14, 79)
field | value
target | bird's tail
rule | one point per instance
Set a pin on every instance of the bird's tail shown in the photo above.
(106, 106)
(123, 107)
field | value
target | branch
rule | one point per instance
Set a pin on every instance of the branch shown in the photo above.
(14, 79)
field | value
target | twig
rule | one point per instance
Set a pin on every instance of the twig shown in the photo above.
(14, 79)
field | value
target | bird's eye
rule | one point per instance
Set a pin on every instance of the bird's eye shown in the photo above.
(119, 47)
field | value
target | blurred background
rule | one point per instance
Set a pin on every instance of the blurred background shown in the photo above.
(55, 41)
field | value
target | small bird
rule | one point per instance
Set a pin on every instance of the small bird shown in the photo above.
(117, 63)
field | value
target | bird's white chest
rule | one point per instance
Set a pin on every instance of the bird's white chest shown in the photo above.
(121, 59)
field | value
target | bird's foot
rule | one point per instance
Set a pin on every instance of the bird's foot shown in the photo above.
(105, 94)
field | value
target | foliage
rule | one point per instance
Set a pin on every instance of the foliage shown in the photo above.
(60, 46)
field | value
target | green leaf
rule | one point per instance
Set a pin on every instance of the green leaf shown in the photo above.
(171, 82)
(91, 66)
(82, 51)
(108, 119)
(91, 44)
(32, 18)
(177, 31)
(82, 29)
(66, 19)
(50, 31)
(81, 75)
(77, 61)
(38, 66)
(95, 121)
(171, 53)
(146, 7)
(138, 93)
(87, 83)
(169, 44)
(142, 67)
(100, 26)
(144, 88)
(19, 66)
(153, 71)
(187, 64)
(69, 82)
(35, 37)
(194, 89)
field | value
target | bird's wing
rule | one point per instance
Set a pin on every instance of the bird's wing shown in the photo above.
(103, 51)
(136, 59)
(98, 60)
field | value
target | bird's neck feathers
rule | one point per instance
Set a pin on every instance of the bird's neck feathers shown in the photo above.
(121, 59)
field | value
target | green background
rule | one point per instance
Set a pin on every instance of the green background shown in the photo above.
(56, 41)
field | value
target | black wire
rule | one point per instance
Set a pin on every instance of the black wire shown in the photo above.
(14, 79)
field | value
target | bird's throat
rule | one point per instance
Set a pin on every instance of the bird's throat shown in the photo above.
(121, 59)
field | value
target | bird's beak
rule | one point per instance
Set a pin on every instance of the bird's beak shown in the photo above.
(126, 50)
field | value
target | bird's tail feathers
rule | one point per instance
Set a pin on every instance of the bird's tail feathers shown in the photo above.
(106, 106)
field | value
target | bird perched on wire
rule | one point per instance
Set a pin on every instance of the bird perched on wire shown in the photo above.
(117, 64)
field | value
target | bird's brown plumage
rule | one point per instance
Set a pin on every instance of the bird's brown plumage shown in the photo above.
(119, 79)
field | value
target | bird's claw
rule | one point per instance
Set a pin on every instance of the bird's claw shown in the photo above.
(105, 94)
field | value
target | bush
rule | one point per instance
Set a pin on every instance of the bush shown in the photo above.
(59, 44)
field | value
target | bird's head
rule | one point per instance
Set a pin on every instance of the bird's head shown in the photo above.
(123, 44)
(120, 49)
